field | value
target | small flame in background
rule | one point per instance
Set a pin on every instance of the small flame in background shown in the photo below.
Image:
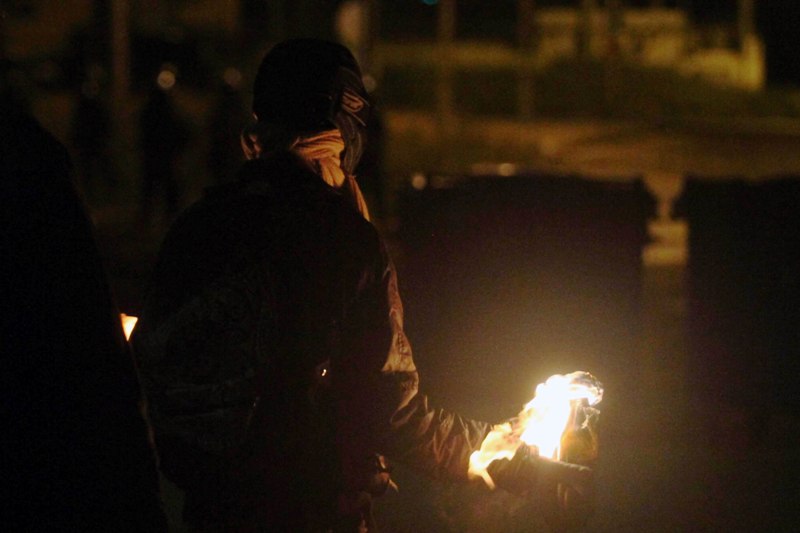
(128, 322)
(541, 423)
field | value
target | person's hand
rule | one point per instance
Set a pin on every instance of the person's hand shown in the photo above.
(566, 495)
(564, 490)
(567, 505)
(517, 475)
(527, 473)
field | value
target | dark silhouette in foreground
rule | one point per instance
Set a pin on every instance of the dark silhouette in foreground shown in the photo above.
(75, 450)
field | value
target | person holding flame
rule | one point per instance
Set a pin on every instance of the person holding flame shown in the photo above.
(271, 342)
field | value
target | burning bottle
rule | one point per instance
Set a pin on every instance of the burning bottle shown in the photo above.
(561, 413)
(558, 427)
(579, 442)
(573, 505)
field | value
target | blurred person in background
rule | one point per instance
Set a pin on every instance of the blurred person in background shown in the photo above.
(75, 450)
(91, 135)
(163, 137)
(271, 341)
(227, 118)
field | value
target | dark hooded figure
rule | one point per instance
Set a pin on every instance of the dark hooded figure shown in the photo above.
(271, 342)
(163, 137)
(75, 451)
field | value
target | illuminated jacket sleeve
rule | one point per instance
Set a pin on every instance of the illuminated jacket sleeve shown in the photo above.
(377, 379)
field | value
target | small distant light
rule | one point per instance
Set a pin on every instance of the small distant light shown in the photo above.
(370, 83)
(506, 169)
(166, 80)
(419, 181)
(232, 77)
(128, 323)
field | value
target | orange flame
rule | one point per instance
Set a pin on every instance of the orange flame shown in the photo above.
(128, 323)
(541, 423)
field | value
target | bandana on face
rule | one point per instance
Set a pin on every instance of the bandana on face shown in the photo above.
(321, 152)
(312, 85)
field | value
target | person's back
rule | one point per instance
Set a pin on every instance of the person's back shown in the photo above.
(257, 276)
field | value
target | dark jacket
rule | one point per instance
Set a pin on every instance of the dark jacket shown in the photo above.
(74, 449)
(274, 288)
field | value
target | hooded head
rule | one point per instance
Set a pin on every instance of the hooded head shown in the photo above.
(306, 86)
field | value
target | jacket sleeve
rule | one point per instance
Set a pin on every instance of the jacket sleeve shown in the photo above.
(381, 407)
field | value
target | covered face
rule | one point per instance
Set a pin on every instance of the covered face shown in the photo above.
(309, 85)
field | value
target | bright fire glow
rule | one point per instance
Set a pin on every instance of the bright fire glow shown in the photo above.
(541, 422)
(128, 322)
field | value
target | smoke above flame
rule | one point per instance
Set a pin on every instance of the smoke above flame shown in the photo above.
(541, 423)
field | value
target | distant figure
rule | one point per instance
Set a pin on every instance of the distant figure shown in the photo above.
(228, 117)
(91, 132)
(74, 450)
(163, 139)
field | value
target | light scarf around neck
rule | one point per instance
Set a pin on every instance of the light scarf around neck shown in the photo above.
(320, 151)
